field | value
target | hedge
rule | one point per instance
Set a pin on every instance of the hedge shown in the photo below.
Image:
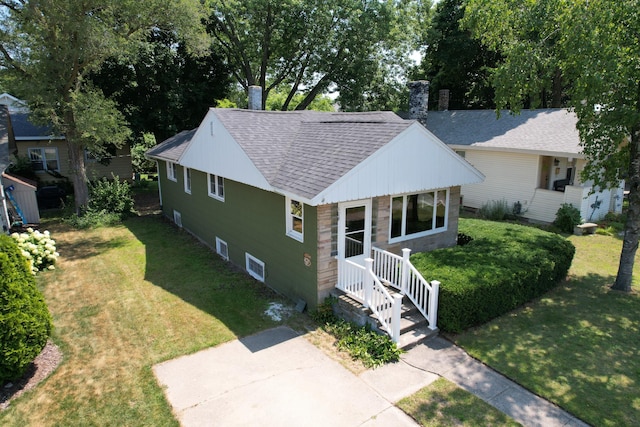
(503, 267)
(25, 322)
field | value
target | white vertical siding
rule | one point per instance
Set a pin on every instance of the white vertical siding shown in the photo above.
(509, 176)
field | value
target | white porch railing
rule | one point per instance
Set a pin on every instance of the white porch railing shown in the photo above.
(362, 284)
(402, 275)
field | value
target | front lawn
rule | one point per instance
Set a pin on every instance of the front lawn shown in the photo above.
(443, 404)
(578, 345)
(123, 299)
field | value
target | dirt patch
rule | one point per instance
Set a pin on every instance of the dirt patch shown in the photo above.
(43, 365)
(147, 203)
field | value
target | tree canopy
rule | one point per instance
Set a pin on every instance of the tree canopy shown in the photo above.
(454, 60)
(312, 46)
(51, 46)
(594, 46)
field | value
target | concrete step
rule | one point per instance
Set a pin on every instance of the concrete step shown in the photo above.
(416, 336)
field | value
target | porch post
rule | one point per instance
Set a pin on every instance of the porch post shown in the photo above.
(433, 304)
(368, 281)
(395, 318)
(404, 280)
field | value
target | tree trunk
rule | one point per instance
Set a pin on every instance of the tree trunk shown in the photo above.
(79, 174)
(632, 226)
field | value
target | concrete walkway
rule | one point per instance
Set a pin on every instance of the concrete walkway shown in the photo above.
(278, 378)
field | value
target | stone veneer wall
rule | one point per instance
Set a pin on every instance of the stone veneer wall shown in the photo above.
(328, 231)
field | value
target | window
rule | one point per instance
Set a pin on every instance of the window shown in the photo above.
(215, 187)
(294, 218)
(222, 248)
(177, 218)
(255, 267)
(172, 171)
(187, 180)
(420, 214)
(44, 159)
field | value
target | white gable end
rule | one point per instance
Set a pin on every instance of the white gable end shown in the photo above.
(414, 161)
(213, 150)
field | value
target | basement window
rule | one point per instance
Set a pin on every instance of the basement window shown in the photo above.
(254, 267)
(222, 248)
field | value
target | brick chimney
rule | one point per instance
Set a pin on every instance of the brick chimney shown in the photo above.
(443, 99)
(255, 98)
(418, 100)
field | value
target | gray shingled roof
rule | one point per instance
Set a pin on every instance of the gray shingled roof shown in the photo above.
(544, 130)
(303, 152)
(171, 149)
(24, 129)
(306, 151)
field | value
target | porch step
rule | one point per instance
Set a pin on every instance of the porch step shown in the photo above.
(414, 328)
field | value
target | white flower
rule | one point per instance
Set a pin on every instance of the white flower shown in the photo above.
(51, 267)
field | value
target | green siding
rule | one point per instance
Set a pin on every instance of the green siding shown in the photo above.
(249, 220)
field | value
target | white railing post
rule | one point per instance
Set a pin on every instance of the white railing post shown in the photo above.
(433, 304)
(405, 270)
(368, 281)
(395, 318)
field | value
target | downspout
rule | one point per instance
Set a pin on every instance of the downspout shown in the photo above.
(159, 188)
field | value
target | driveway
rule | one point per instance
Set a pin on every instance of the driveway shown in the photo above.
(278, 378)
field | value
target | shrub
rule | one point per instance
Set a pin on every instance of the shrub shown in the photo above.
(38, 248)
(362, 343)
(110, 201)
(25, 322)
(567, 217)
(504, 266)
(110, 196)
(495, 210)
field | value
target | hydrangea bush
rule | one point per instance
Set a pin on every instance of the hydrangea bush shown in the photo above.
(38, 248)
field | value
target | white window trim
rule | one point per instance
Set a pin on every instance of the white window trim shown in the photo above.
(187, 180)
(171, 171)
(248, 258)
(219, 245)
(289, 220)
(44, 158)
(434, 230)
(215, 191)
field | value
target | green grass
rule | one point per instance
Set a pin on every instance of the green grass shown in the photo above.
(442, 403)
(578, 345)
(124, 298)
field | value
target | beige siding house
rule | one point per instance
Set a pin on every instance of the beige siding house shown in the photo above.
(532, 161)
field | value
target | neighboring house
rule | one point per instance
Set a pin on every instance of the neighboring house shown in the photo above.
(17, 194)
(290, 196)
(531, 160)
(5, 136)
(49, 154)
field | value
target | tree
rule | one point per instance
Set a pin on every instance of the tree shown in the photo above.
(309, 46)
(456, 61)
(51, 46)
(523, 32)
(596, 45)
(164, 88)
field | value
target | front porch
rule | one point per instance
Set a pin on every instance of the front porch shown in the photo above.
(389, 294)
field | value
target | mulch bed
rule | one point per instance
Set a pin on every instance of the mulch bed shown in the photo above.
(43, 365)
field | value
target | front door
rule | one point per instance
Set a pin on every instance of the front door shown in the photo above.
(354, 230)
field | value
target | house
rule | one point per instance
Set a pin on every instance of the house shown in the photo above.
(531, 160)
(298, 198)
(5, 132)
(17, 194)
(49, 154)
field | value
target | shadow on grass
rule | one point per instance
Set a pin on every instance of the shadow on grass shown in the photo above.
(178, 263)
(577, 346)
